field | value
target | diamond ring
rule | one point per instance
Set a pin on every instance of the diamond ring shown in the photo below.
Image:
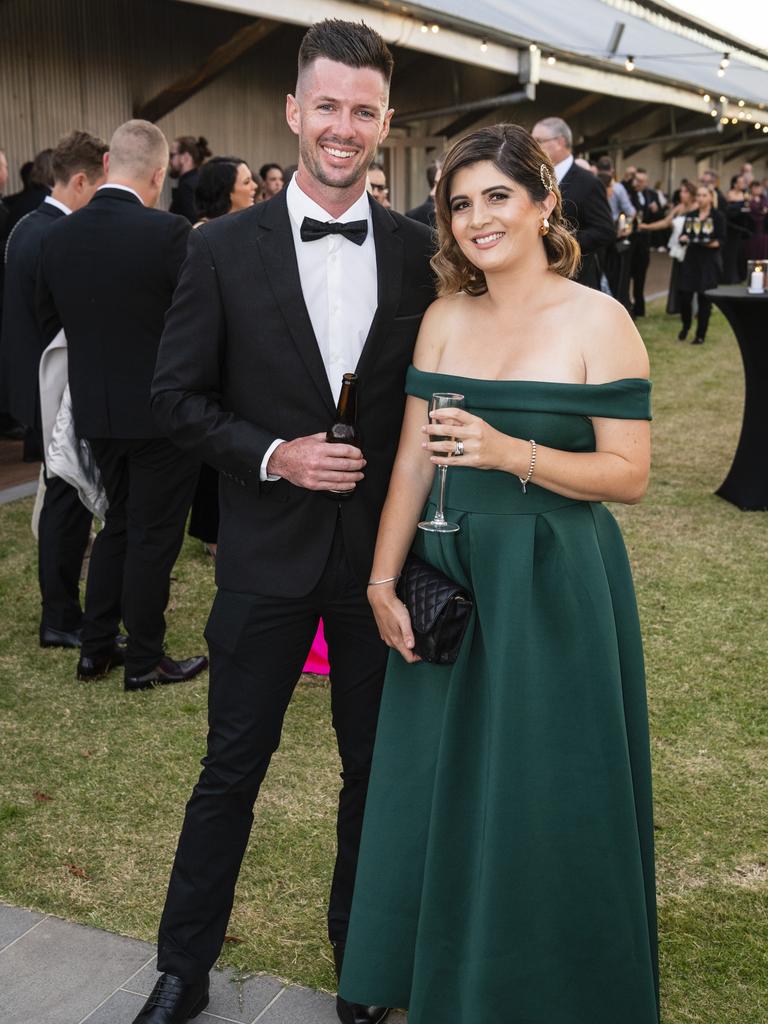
(459, 449)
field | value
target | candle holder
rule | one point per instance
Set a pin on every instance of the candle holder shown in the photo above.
(756, 271)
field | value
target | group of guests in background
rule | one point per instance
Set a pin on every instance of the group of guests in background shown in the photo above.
(709, 236)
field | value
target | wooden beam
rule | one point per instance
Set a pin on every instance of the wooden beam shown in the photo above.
(222, 58)
(587, 100)
(607, 133)
(663, 134)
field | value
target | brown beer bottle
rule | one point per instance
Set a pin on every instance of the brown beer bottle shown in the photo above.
(344, 429)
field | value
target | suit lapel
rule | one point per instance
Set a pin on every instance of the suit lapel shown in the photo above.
(282, 270)
(389, 274)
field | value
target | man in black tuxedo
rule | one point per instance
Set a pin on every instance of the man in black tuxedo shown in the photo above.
(273, 306)
(648, 204)
(585, 203)
(65, 523)
(107, 276)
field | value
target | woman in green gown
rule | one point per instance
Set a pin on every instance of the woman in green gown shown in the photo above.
(506, 870)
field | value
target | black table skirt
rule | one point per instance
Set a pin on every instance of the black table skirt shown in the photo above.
(746, 484)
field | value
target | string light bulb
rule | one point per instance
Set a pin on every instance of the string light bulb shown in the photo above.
(723, 99)
(723, 120)
(435, 28)
(741, 103)
(765, 127)
(484, 46)
(551, 59)
(425, 27)
(725, 61)
(707, 98)
(757, 125)
(629, 63)
(713, 112)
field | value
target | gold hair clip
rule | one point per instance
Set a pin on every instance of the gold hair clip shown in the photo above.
(546, 178)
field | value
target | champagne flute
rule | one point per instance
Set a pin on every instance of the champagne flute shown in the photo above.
(442, 400)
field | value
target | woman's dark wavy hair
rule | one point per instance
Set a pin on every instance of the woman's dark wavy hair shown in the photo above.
(213, 195)
(513, 150)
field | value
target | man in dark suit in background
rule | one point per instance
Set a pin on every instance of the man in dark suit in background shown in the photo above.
(425, 213)
(107, 275)
(585, 203)
(273, 306)
(184, 160)
(65, 523)
(648, 204)
(37, 186)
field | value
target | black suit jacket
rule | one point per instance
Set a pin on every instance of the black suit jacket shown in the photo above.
(107, 275)
(23, 341)
(425, 213)
(239, 366)
(183, 198)
(585, 206)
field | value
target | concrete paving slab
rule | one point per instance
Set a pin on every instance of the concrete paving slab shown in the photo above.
(120, 1008)
(301, 1006)
(235, 999)
(58, 972)
(14, 922)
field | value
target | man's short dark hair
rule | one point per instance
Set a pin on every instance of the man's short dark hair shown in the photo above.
(376, 166)
(266, 168)
(605, 164)
(347, 42)
(78, 151)
(640, 170)
(432, 173)
(42, 170)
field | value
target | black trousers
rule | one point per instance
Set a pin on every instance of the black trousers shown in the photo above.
(685, 300)
(257, 647)
(62, 538)
(204, 518)
(149, 485)
(640, 259)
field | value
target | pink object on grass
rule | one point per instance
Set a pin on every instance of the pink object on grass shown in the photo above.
(317, 662)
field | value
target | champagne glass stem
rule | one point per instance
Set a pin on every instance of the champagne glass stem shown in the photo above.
(440, 513)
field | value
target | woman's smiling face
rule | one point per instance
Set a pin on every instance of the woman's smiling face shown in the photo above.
(493, 218)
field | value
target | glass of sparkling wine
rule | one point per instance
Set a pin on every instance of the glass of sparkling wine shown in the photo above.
(442, 400)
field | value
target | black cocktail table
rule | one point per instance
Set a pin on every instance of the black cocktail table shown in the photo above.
(747, 482)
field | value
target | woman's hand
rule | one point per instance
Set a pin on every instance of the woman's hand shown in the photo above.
(393, 621)
(484, 446)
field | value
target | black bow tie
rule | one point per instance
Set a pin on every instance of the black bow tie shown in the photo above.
(355, 230)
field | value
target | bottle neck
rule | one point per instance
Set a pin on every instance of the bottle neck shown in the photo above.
(346, 411)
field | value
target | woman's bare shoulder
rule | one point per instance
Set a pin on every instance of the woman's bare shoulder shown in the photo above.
(439, 320)
(611, 345)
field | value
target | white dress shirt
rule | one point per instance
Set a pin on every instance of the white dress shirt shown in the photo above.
(340, 288)
(563, 167)
(58, 204)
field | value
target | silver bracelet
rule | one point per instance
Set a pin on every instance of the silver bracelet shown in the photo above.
(389, 579)
(525, 480)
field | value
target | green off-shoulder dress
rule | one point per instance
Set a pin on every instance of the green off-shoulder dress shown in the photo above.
(506, 871)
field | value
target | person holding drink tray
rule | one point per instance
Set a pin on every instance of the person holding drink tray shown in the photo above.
(702, 235)
(506, 869)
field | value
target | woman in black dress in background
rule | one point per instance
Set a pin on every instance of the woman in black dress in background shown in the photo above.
(703, 234)
(226, 185)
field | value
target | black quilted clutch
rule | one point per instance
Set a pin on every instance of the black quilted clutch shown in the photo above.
(439, 610)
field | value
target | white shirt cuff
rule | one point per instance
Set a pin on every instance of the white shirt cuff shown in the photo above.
(263, 475)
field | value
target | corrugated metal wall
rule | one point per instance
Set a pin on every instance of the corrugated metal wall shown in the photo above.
(86, 64)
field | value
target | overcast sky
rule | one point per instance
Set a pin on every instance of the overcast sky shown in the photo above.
(750, 22)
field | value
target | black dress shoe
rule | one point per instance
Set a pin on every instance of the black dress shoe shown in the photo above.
(98, 665)
(354, 1013)
(682, 335)
(697, 341)
(173, 1001)
(168, 671)
(50, 637)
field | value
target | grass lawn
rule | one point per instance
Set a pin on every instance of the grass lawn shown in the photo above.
(94, 782)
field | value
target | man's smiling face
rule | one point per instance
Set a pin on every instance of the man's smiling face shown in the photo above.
(340, 115)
